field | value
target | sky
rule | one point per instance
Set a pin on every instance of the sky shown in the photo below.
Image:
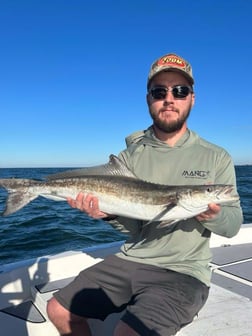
(73, 75)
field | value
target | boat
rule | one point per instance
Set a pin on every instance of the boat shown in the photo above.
(26, 287)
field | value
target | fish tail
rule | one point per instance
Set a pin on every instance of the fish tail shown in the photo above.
(16, 201)
(18, 197)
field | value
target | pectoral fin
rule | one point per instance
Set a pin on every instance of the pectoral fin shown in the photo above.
(167, 223)
(161, 214)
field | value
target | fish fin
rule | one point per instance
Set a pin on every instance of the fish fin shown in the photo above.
(166, 223)
(114, 167)
(16, 201)
(167, 208)
(19, 193)
(54, 197)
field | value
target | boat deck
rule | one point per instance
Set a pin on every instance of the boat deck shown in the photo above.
(26, 287)
(228, 310)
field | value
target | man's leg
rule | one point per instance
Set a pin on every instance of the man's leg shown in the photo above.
(162, 302)
(72, 325)
(67, 324)
(122, 329)
(85, 297)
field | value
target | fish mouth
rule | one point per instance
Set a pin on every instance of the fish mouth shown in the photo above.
(228, 190)
(225, 193)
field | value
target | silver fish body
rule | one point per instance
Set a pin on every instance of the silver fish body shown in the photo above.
(120, 193)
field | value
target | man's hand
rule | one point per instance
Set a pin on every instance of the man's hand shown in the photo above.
(87, 203)
(210, 213)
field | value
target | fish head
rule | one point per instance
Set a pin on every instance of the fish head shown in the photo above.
(195, 199)
(200, 196)
(219, 193)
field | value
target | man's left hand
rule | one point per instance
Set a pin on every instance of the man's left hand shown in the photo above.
(210, 213)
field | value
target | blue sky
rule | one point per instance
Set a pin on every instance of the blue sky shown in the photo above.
(73, 75)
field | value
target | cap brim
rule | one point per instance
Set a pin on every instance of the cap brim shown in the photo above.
(188, 77)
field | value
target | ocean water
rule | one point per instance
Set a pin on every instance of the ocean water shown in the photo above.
(46, 227)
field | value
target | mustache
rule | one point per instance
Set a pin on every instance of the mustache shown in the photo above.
(167, 108)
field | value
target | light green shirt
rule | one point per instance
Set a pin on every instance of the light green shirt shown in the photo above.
(183, 246)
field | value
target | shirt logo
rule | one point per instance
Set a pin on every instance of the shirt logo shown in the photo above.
(200, 174)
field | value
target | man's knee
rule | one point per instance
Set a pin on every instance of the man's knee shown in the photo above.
(64, 320)
(55, 310)
(57, 313)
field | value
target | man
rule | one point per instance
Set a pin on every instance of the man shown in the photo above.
(161, 277)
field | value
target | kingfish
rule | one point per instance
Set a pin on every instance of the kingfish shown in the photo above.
(119, 193)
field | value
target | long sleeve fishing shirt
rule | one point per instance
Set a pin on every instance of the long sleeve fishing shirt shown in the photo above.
(184, 246)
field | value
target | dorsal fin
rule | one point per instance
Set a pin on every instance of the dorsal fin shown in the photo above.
(114, 167)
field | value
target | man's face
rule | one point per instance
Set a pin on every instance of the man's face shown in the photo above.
(169, 114)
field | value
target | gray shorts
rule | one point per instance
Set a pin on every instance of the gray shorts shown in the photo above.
(157, 301)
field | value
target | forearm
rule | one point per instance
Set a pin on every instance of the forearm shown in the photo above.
(227, 223)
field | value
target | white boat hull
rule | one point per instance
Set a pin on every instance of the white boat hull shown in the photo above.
(26, 287)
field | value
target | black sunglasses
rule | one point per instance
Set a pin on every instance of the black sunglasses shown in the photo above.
(178, 91)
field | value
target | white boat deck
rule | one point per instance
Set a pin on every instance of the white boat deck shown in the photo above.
(26, 287)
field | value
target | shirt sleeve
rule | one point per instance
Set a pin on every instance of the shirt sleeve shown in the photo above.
(228, 222)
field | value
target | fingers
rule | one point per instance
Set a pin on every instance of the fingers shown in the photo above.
(214, 208)
(84, 203)
(88, 204)
(210, 213)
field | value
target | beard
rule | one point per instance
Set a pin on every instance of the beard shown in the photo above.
(171, 126)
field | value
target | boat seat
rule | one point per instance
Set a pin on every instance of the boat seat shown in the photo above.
(53, 285)
(28, 310)
(232, 268)
(227, 254)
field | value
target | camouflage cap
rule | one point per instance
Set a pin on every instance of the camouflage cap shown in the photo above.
(171, 62)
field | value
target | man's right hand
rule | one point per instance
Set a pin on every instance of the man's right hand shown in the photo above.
(87, 203)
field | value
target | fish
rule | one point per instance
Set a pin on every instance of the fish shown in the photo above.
(120, 193)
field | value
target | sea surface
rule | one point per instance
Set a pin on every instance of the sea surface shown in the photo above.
(46, 227)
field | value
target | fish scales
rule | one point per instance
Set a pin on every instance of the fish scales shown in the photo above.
(120, 193)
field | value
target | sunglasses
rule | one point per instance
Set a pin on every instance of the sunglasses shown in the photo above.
(178, 91)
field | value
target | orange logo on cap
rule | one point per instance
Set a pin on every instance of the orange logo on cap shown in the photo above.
(171, 60)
